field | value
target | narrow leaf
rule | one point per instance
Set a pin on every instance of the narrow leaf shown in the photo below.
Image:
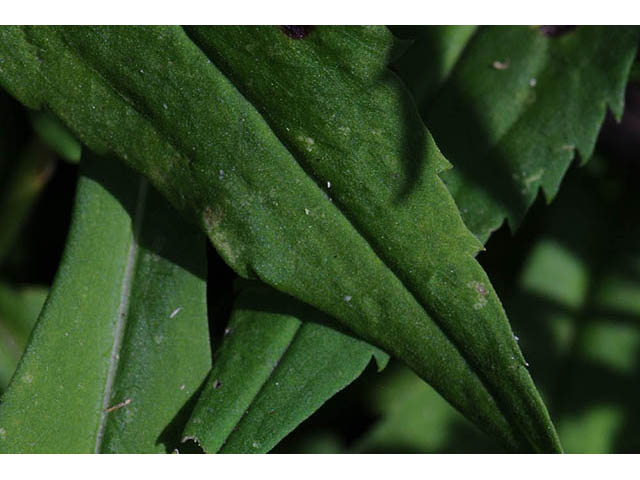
(22, 187)
(308, 166)
(122, 342)
(56, 136)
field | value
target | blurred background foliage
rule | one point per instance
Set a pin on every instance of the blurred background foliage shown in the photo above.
(569, 279)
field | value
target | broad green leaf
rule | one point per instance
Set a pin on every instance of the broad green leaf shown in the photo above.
(122, 341)
(279, 362)
(308, 166)
(19, 309)
(512, 127)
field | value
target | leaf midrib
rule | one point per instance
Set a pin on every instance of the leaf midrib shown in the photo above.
(123, 308)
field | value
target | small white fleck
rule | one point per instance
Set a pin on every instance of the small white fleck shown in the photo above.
(277, 384)
(158, 339)
(516, 338)
(28, 378)
(498, 65)
(532, 82)
(526, 364)
(221, 174)
(66, 334)
(255, 445)
(141, 71)
(182, 387)
(165, 106)
(227, 331)
(347, 298)
(3, 434)
(306, 210)
(328, 184)
(175, 312)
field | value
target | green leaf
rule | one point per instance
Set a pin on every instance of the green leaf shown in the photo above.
(576, 309)
(122, 342)
(56, 136)
(22, 187)
(279, 362)
(415, 419)
(512, 127)
(19, 309)
(308, 166)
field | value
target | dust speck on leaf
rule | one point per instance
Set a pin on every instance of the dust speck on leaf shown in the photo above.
(217, 384)
(501, 65)
(3, 434)
(306, 211)
(175, 312)
(532, 82)
(182, 386)
(28, 378)
(347, 298)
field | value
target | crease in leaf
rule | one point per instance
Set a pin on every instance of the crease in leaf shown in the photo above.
(332, 127)
(72, 369)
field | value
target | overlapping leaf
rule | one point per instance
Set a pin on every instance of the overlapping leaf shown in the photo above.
(280, 361)
(513, 109)
(122, 342)
(307, 165)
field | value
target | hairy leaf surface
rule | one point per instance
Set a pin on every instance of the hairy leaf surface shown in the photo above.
(122, 341)
(308, 166)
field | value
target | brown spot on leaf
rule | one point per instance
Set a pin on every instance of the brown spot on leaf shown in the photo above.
(556, 30)
(297, 31)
